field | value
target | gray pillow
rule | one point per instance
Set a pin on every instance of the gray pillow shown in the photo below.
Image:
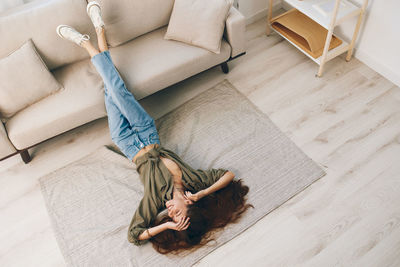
(24, 80)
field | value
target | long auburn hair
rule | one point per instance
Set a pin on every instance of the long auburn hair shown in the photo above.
(211, 212)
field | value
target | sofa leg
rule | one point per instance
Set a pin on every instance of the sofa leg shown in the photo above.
(25, 156)
(224, 67)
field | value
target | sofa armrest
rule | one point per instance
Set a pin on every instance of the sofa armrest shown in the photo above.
(235, 31)
(6, 148)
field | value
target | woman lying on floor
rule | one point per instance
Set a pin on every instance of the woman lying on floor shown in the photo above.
(197, 200)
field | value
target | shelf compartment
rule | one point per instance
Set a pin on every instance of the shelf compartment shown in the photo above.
(308, 7)
(331, 54)
(308, 35)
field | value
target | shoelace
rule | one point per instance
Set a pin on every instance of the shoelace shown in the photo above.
(85, 37)
(77, 37)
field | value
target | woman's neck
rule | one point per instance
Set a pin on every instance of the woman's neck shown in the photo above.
(178, 191)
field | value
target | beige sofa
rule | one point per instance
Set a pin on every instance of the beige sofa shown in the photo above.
(146, 61)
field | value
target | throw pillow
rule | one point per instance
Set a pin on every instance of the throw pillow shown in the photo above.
(199, 22)
(24, 80)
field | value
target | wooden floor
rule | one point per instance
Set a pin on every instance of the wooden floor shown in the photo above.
(348, 121)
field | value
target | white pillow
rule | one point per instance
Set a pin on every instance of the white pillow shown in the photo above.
(24, 80)
(199, 22)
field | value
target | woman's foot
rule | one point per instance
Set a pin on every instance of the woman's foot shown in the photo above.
(69, 33)
(94, 11)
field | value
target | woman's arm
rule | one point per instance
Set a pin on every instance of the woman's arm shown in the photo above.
(181, 225)
(153, 231)
(221, 183)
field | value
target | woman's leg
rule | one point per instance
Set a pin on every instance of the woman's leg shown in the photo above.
(120, 130)
(101, 39)
(90, 48)
(118, 124)
(113, 83)
(122, 98)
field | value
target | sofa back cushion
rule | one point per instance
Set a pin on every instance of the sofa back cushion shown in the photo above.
(38, 20)
(127, 19)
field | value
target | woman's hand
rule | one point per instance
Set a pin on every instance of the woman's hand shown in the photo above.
(181, 225)
(195, 197)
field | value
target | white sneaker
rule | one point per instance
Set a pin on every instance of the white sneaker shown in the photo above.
(94, 11)
(69, 33)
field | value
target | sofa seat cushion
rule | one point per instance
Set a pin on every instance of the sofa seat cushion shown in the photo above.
(150, 63)
(81, 101)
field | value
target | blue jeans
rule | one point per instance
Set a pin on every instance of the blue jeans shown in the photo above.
(131, 127)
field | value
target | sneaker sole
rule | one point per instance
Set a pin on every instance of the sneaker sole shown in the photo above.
(58, 30)
(92, 3)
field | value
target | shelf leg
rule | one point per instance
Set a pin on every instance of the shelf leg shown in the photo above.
(321, 69)
(325, 53)
(269, 17)
(328, 39)
(356, 30)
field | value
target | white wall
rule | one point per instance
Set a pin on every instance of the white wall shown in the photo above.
(251, 7)
(255, 9)
(378, 43)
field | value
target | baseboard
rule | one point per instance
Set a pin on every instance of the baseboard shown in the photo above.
(377, 66)
(263, 13)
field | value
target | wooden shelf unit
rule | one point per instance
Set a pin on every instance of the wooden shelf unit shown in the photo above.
(328, 22)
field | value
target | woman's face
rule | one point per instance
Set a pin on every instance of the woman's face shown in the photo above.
(177, 208)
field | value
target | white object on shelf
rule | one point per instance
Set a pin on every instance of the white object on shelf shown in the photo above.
(326, 8)
(312, 8)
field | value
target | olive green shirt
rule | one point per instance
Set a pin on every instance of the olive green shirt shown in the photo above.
(158, 186)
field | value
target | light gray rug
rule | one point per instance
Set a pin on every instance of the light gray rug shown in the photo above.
(91, 201)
